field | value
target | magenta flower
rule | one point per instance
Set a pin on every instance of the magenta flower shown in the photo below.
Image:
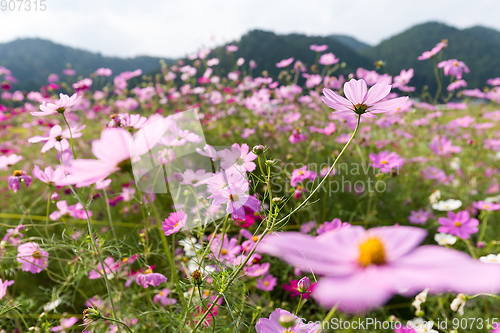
(328, 59)
(3, 287)
(318, 48)
(228, 249)
(49, 176)
(456, 84)
(361, 101)
(386, 161)
(443, 146)
(293, 289)
(15, 180)
(174, 222)
(60, 106)
(267, 283)
(419, 217)
(13, 236)
(32, 258)
(363, 269)
(459, 224)
(163, 298)
(148, 278)
(487, 206)
(335, 225)
(273, 325)
(256, 270)
(453, 67)
(57, 138)
(284, 62)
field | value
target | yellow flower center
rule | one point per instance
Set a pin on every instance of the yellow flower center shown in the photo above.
(486, 206)
(223, 252)
(234, 197)
(266, 283)
(148, 271)
(301, 172)
(36, 255)
(458, 224)
(17, 173)
(255, 238)
(383, 162)
(371, 251)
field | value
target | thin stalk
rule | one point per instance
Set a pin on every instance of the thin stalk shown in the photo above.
(70, 135)
(108, 208)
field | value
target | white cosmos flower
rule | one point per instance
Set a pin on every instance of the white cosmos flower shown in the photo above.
(491, 259)
(445, 239)
(190, 246)
(419, 299)
(458, 304)
(435, 196)
(447, 205)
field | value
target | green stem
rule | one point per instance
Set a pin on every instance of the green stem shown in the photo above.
(471, 249)
(119, 322)
(483, 226)
(70, 135)
(298, 305)
(108, 208)
(327, 318)
(326, 176)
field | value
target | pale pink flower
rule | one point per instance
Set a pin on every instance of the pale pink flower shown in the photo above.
(148, 278)
(284, 62)
(58, 138)
(60, 106)
(328, 59)
(239, 156)
(318, 48)
(7, 161)
(32, 258)
(49, 175)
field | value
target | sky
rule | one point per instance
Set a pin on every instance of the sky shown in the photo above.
(175, 28)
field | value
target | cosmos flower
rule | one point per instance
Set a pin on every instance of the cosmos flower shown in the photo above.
(110, 268)
(163, 298)
(459, 224)
(32, 258)
(447, 205)
(267, 283)
(3, 287)
(363, 269)
(8, 161)
(445, 239)
(273, 324)
(174, 222)
(17, 178)
(49, 176)
(284, 63)
(65, 323)
(148, 278)
(335, 225)
(419, 217)
(363, 102)
(318, 48)
(300, 175)
(453, 67)
(386, 161)
(328, 59)
(294, 291)
(487, 206)
(60, 106)
(57, 138)
(435, 50)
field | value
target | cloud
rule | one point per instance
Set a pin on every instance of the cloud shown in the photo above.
(175, 28)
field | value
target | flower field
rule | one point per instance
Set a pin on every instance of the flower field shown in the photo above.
(199, 200)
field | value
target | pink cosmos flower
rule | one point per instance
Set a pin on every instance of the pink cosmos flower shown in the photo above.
(328, 59)
(231, 48)
(65, 323)
(487, 206)
(456, 84)
(163, 298)
(32, 258)
(104, 71)
(228, 249)
(297, 137)
(273, 325)
(60, 106)
(300, 175)
(13, 236)
(255, 270)
(284, 62)
(174, 222)
(148, 278)
(419, 217)
(293, 288)
(363, 269)
(239, 156)
(335, 225)
(453, 67)
(362, 102)
(15, 180)
(443, 146)
(318, 48)
(459, 224)
(7, 161)
(435, 50)
(110, 268)
(3, 287)
(69, 71)
(115, 151)
(57, 138)
(387, 161)
(49, 176)
(267, 283)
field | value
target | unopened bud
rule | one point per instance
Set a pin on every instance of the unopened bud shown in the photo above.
(277, 200)
(197, 278)
(303, 284)
(258, 149)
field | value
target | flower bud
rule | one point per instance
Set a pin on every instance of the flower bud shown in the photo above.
(197, 278)
(277, 200)
(303, 285)
(90, 315)
(258, 149)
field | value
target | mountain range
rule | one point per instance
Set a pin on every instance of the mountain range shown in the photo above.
(32, 60)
